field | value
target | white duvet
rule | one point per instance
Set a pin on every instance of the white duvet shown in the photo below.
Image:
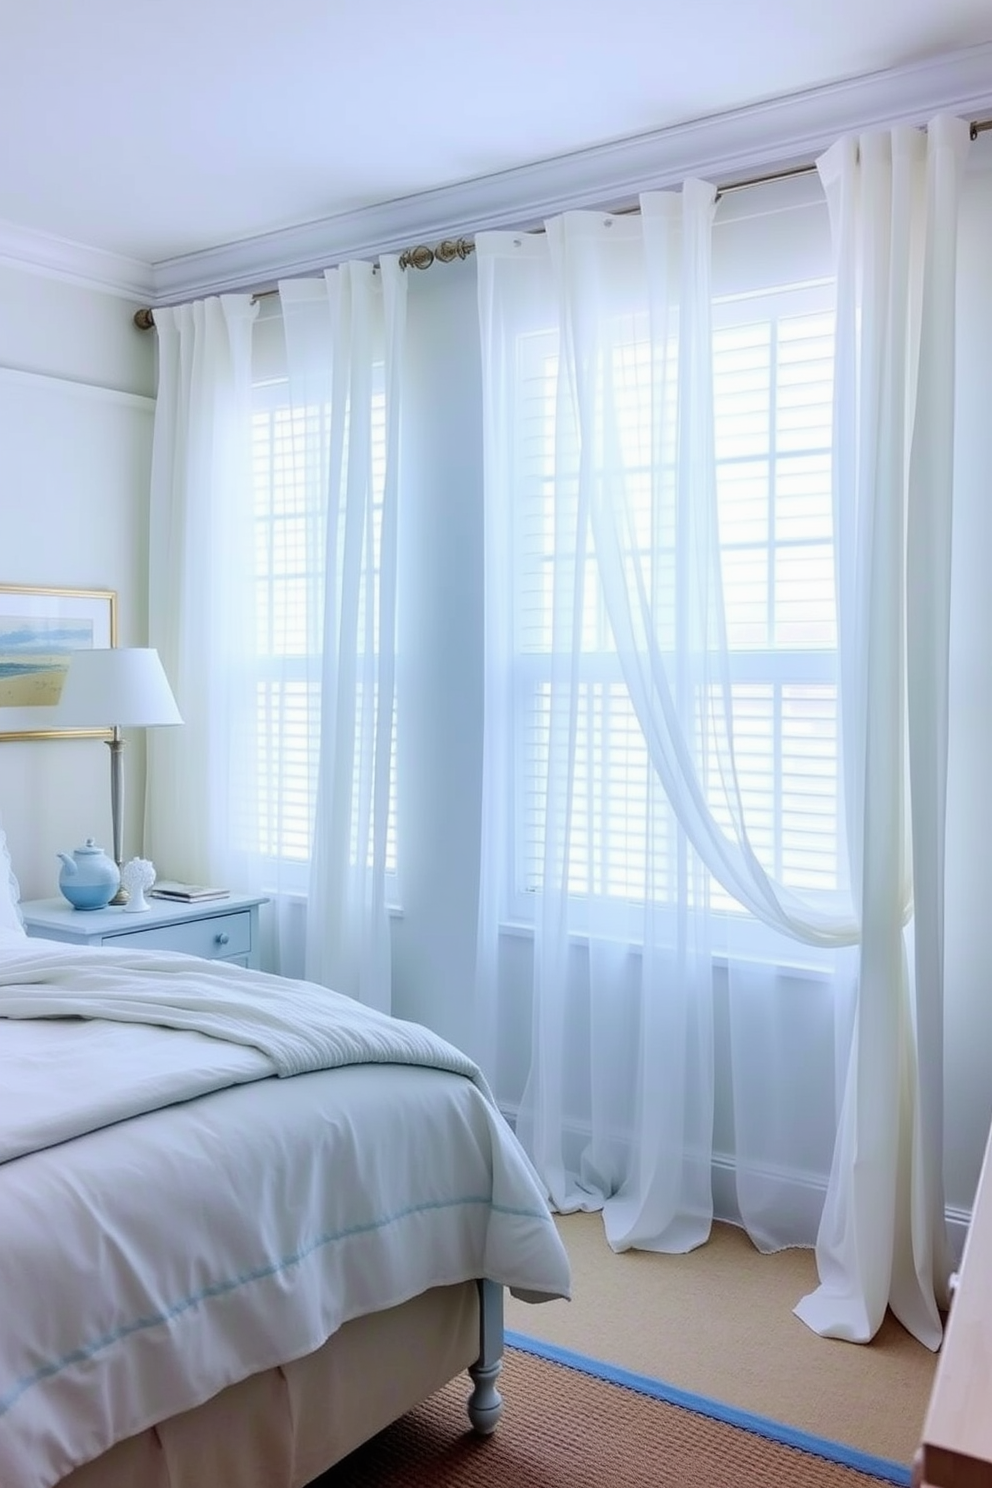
(146, 1263)
(244, 1028)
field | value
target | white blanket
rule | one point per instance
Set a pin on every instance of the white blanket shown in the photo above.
(298, 1025)
(235, 1026)
(150, 1262)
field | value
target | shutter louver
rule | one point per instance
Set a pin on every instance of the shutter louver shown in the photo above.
(773, 417)
(289, 586)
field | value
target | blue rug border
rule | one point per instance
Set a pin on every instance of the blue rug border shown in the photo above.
(777, 1431)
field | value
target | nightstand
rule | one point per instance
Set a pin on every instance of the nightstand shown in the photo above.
(220, 929)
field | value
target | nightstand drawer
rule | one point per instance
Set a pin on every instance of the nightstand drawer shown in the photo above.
(220, 937)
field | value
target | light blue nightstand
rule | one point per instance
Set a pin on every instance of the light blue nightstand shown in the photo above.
(220, 929)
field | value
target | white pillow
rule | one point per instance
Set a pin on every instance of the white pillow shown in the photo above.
(10, 893)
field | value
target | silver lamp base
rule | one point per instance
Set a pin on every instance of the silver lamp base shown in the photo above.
(116, 747)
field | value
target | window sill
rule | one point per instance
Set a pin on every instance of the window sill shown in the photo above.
(793, 967)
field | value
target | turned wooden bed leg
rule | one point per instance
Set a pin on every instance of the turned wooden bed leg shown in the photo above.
(485, 1404)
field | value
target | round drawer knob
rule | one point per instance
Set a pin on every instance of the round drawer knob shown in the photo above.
(222, 938)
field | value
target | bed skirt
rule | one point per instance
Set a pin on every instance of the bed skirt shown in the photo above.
(284, 1427)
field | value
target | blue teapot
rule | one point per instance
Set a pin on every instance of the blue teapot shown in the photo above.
(88, 879)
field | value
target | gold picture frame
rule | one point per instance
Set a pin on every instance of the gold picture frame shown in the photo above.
(39, 627)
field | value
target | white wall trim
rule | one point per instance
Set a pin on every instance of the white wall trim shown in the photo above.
(808, 1189)
(814, 1185)
(17, 377)
(725, 147)
(75, 263)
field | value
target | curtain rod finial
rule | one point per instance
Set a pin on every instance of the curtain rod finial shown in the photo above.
(144, 319)
(420, 257)
(453, 248)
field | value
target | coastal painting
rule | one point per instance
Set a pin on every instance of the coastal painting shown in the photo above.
(34, 655)
(39, 630)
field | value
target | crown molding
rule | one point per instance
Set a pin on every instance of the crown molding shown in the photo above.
(775, 134)
(20, 377)
(75, 263)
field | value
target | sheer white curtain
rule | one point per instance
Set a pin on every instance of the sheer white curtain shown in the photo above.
(894, 211)
(199, 549)
(611, 633)
(272, 583)
(344, 348)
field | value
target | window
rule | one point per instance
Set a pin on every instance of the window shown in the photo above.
(773, 383)
(289, 549)
(773, 364)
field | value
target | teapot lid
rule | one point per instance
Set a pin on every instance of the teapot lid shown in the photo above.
(88, 850)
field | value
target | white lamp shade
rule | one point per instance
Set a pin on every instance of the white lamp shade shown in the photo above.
(123, 687)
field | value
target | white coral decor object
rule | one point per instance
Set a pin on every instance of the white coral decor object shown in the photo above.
(137, 876)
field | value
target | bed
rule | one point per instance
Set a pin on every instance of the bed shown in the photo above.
(246, 1223)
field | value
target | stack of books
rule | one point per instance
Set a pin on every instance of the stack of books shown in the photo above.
(185, 893)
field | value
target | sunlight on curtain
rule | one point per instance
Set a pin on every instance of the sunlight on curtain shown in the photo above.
(650, 692)
(273, 566)
(344, 345)
(894, 211)
(665, 796)
(199, 545)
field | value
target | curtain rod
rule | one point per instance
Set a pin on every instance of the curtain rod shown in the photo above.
(422, 255)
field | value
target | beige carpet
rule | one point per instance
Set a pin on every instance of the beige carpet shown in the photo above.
(719, 1322)
(562, 1429)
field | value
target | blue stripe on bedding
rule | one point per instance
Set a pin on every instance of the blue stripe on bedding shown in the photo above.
(260, 1273)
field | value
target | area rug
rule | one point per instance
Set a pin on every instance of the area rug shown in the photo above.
(570, 1421)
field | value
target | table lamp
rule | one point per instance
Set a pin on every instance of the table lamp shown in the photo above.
(121, 687)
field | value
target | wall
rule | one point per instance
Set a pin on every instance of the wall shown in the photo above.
(76, 385)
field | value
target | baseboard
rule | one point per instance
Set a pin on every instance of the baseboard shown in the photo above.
(806, 1191)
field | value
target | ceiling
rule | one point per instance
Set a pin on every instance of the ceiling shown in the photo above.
(156, 131)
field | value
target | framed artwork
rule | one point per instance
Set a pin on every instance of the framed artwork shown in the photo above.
(39, 628)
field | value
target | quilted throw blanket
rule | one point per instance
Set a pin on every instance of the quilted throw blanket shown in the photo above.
(232, 1026)
(299, 1026)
